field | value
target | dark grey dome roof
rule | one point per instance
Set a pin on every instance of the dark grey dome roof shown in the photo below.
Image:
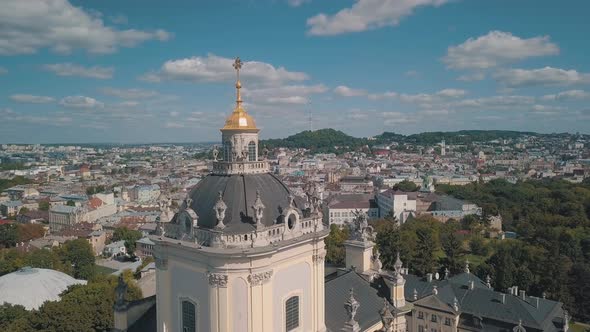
(239, 194)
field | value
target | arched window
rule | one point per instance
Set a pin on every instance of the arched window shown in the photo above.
(227, 151)
(189, 317)
(292, 313)
(252, 151)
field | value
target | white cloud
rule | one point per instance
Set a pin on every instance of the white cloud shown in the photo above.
(28, 26)
(495, 102)
(70, 69)
(472, 77)
(497, 48)
(297, 3)
(429, 99)
(412, 73)
(567, 95)
(80, 102)
(547, 109)
(24, 98)
(3, 71)
(451, 93)
(214, 68)
(128, 103)
(366, 15)
(543, 76)
(349, 92)
(129, 93)
(287, 94)
(383, 95)
(174, 125)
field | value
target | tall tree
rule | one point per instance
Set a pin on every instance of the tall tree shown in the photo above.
(424, 257)
(454, 253)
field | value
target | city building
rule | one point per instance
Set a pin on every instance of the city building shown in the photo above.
(64, 216)
(10, 208)
(397, 204)
(343, 209)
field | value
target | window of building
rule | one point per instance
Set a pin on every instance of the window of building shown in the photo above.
(252, 151)
(420, 315)
(420, 328)
(292, 313)
(189, 321)
(448, 321)
(227, 151)
(433, 319)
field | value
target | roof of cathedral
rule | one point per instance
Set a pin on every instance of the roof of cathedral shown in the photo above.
(481, 301)
(239, 194)
(337, 292)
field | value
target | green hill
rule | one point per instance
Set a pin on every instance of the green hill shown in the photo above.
(326, 140)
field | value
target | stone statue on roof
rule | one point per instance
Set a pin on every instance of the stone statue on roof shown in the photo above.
(359, 227)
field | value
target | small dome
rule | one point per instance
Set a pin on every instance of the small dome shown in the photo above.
(31, 287)
(239, 120)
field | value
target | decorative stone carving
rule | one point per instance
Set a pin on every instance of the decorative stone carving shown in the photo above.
(220, 208)
(161, 263)
(120, 291)
(256, 279)
(218, 280)
(377, 264)
(519, 327)
(258, 208)
(215, 153)
(318, 258)
(359, 227)
(488, 281)
(387, 318)
(351, 306)
(466, 269)
(415, 295)
(455, 304)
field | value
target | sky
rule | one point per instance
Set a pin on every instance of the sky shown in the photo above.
(146, 71)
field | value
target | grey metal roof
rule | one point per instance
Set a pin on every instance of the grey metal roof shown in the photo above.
(485, 302)
(239, 194)
(337, 292)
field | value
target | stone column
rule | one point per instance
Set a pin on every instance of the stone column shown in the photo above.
(261, 297)
(218, 299)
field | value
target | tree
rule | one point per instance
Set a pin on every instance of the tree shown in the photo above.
(8, 235)
(478, 246)
(406, 185)
(454, 254)
(44, 206)
(335, 252)
(80, 255)
(10, 313)
(424, 258)
(70, 203)
(127, 235)
(28, 232)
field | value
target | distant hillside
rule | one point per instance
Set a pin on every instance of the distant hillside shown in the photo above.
(465, 136)
(324, 140)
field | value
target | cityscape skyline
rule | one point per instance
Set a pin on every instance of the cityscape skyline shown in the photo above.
(135, 79)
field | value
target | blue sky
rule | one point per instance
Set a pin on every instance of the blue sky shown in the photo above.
(160, 71)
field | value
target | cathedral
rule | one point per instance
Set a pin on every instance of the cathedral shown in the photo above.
(243, 253)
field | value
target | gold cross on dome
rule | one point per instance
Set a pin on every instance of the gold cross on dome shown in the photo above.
(237, 66)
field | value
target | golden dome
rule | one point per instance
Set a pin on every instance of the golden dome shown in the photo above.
(239, 120)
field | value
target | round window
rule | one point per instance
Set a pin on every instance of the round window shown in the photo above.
(291, 221)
